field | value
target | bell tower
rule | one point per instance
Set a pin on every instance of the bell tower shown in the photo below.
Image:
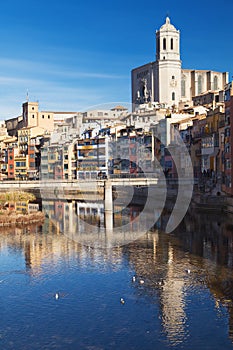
(168, 64)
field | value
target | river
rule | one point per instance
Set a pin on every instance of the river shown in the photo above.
(58, 293)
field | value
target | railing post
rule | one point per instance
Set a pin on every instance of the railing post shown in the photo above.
(107, 195)
(108, 205)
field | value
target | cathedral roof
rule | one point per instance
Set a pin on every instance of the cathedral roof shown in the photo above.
(167, 25)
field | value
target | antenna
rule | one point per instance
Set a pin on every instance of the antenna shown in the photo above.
(27, 96)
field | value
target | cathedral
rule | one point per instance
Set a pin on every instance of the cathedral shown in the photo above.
(165, 81)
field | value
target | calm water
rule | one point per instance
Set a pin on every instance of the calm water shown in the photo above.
(172, 309)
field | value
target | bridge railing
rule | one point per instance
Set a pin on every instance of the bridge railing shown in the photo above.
(133, 176)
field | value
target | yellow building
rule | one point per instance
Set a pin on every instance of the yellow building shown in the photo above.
(32, 116)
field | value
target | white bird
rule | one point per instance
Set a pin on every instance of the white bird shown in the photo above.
(188, 271)
(56, 296)
(133, 278)
(122, 301)
(141, 281)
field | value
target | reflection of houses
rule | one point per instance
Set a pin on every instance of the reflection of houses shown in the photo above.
(124, 216)
(84, 209)
(203, 244)
(62, 214)
(91, 212)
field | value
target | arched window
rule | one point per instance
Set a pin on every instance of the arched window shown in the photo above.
(164, 43)
(215, 82)
(199, 85)
(183, 86)
(173, 96)
(171, 43)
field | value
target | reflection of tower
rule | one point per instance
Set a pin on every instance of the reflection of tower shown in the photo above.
(172, 300)
(163, 278)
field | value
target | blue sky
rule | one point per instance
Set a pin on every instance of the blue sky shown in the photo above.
(74, 54)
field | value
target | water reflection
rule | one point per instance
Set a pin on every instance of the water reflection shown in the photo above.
(201, 244)
(182, 301)
(99, 223)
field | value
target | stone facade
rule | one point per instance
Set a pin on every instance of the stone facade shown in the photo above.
(165, 81)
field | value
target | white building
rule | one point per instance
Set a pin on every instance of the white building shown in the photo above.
(165, 81)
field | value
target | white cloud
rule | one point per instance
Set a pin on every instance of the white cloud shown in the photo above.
(47, 69)
(58, 87)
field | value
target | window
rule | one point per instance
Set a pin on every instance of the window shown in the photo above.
(199, 85)
(33, 116)
(171, 43)
(227, 132)
(33, 108)
(183, 87)
(164, 43)
(42, 116)
(228, 164)
(48, 116)
(173, 96)
(173, 77)
(133, 151)
(20, 164)
(215, 82)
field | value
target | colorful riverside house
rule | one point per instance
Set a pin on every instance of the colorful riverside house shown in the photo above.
(92, 154)
(21, 166)
(11, 163)
(8, 149)
(29, 146)
(228, 142)
(69, 160)
(131, 151)
(55, 162)
(51, 162)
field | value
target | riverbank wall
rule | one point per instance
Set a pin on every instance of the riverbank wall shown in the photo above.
(13, 219)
